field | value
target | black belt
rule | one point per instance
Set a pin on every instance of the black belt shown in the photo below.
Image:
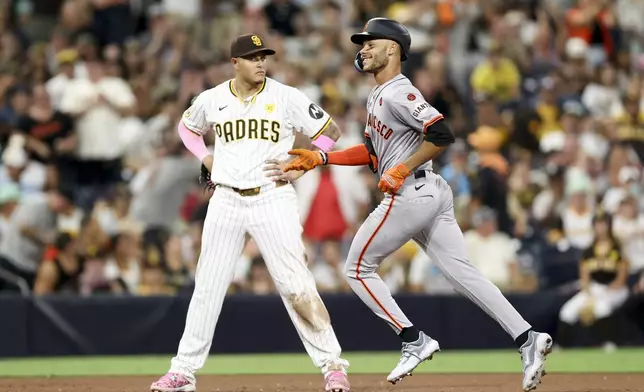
(420, 174)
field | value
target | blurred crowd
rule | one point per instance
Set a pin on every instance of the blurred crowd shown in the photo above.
(98, 195)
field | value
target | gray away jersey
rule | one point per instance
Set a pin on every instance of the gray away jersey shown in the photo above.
(397, 115)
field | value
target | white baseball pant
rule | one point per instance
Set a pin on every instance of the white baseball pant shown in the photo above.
(605, 301)
(272, 220)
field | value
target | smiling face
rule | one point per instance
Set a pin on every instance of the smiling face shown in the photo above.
(251, 69)
(376, 54)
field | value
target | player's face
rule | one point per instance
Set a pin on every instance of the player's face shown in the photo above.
(251, 68)
(376, 54)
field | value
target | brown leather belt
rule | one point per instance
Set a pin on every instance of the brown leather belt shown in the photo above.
(254, 191)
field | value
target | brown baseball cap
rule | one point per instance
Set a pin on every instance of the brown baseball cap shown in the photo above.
(249, 44)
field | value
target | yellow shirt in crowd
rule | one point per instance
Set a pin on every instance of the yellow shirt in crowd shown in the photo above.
(501, 82)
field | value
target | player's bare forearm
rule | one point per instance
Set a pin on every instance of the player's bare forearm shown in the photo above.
(437, 137)
(325, 140)
(425, 153)
(332, 131)
(301, 141)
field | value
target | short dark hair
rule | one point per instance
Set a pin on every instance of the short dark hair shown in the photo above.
(63, 239)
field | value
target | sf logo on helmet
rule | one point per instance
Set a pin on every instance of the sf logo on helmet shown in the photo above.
(256, 40)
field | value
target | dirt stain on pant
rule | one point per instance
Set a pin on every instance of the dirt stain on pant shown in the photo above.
(312, 311)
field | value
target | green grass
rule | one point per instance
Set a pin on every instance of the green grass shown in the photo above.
(568, 361)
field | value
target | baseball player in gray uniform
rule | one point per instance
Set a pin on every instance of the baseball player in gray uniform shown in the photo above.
(402, 135)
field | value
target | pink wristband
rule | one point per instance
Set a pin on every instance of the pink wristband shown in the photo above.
(193, 142)
(324, 143)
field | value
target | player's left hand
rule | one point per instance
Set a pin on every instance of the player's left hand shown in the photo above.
(393, 179)
(204, 177)
(275, 171)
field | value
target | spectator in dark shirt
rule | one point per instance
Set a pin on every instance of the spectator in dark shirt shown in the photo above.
(61, 267)
(603, 273)
(50, 136)
(17, 104)
(113, 21)
(281, 14)
(490, 187)
(49, 132)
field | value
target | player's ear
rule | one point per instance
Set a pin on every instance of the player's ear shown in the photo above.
(392, 49)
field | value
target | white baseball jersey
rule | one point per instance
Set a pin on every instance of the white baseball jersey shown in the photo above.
(247, 133)
(250, 131)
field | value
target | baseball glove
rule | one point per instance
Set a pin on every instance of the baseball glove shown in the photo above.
(393, 179)
(204, 178)
(304, 160)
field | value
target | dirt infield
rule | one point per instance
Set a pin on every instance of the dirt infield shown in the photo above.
(360, 383)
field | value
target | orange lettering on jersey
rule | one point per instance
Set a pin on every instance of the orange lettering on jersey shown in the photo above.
(378, 127)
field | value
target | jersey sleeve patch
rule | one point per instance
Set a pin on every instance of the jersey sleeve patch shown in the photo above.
(420, 108)
(321, 131)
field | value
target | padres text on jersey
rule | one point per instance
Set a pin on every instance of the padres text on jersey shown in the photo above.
(250, 131)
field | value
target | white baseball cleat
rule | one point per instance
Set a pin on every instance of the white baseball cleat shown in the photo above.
(413, 354)
(533, 356)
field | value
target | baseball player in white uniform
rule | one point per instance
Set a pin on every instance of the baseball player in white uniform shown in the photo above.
(402, 136)
(254, 119)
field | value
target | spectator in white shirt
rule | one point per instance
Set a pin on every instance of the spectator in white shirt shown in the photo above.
(493, 252)
(577, 215)
(57, 85)
(9, 198)
(628, 229)
(630, 183)
(327, 269)
(548, 204)
(601, 98)
(17, 168)
(123, 269)
(99, 103)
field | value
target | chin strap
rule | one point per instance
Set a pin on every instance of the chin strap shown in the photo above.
(358, 62)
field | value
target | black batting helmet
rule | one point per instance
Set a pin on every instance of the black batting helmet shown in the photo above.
(383, 28)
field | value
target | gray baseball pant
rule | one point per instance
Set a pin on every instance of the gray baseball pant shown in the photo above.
(423, 210)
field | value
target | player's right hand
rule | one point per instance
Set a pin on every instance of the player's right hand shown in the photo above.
(274, 170)
(304, 160)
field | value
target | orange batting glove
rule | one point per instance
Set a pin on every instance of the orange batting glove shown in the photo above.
(393, 179)
(304, 160)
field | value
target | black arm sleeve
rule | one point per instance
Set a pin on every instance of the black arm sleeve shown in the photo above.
(373, 165)
(439, 133)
